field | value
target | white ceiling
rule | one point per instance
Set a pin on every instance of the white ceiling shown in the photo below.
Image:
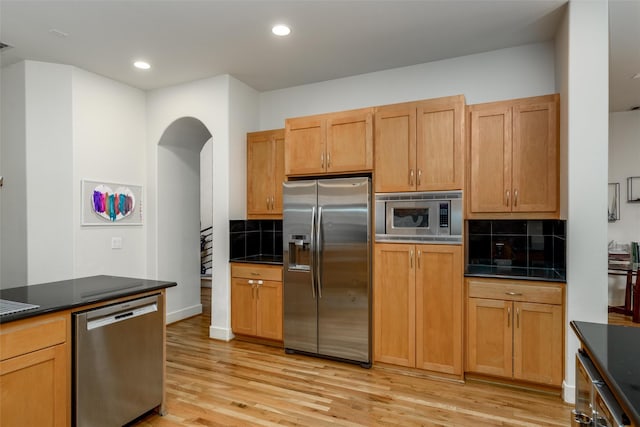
(188, 40)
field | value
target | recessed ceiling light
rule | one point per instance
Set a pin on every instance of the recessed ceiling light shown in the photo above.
(281, 30)
(637, 76)
(142, 65)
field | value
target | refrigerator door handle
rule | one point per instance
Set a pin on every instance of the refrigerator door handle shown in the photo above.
(312, 260)
(319, 252)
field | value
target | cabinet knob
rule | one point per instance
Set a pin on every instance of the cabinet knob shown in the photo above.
(328, 160)
(513, 294)
(515, 198)
(508, 198)
(411, 174)
(419, 176)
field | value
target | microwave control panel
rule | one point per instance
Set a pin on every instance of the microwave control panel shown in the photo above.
(444, 215)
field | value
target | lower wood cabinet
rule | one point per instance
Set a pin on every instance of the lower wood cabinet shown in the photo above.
(515, 330)
(35, 371)
(256, 300)
(418, 306)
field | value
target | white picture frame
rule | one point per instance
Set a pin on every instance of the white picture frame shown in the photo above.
(133, 200)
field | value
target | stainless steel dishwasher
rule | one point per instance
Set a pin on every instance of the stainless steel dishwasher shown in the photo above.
(118, 362)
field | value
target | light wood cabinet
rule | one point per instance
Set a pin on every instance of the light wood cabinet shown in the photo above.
(418, 145)
(329, 143)
(515, 330)
(35, 372)
(418, 306)
(265, 174)
(256, 300)
(512, 159)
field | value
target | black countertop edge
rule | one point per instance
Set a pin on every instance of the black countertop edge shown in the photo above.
(516, 277)
(622, 348)
(73, 293)
(259, 259)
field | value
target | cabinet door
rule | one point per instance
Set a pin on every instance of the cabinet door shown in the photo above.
(490, 159)
(394, 304)
(278, 173)
(243, 307)
(439, 155)
(535, 156)
(269, 310)
(537, 343)
(34, 388)
(305, 139)
(489, 337)
(350, 141)
(439, 308)
(260, 177)
(395, 148)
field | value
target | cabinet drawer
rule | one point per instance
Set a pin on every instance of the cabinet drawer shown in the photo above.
(512, 290)
(25, 336)
(253, 271)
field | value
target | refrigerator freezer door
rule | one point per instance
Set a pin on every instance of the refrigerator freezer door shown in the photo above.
(300, 309)
(344, 258)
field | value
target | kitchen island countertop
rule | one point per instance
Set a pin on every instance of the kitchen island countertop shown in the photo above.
(68, 294)
(615, 351)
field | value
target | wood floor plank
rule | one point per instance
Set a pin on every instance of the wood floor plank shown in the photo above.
(212, 383)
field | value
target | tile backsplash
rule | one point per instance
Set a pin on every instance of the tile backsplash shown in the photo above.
(253, 237)
(517, 243)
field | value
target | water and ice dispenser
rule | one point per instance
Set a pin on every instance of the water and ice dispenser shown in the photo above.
(299, 252)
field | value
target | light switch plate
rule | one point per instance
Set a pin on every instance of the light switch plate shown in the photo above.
(116, 243)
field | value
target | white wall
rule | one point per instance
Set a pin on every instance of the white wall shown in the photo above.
(68, 125)
(586, 93)
(208, 101)
(49, 169)
(108, 145)
(13, 162)
(502, 74)
(624, 158)
(624, 161)
(206, 185)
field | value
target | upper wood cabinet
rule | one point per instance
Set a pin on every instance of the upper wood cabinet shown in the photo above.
(418, 145)
(329, 143)
(418, 306)
(265, 174)
(513, 159)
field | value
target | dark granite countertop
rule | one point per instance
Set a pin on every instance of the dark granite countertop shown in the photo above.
(67, 294)
(520, 273)
(260, 259)
(615, 351)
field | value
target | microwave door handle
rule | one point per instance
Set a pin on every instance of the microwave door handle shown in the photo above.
(319, 252)
(313, 249)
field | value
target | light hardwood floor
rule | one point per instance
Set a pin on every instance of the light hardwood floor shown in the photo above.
(213, 383)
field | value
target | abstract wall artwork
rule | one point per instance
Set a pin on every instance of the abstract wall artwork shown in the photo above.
(108, 203)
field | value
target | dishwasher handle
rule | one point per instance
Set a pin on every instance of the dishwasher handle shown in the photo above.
(101, 322)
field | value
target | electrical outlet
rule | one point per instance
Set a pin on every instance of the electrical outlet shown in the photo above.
(116, 243)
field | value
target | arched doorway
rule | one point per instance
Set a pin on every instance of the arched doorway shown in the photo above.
(178, 232)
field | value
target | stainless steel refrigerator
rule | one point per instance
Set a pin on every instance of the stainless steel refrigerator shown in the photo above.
(327, 268)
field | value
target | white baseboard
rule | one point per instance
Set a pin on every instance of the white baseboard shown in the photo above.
(223, 334)
(184, 313)
(568, 392)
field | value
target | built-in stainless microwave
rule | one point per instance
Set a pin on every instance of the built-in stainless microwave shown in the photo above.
(419, 217)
